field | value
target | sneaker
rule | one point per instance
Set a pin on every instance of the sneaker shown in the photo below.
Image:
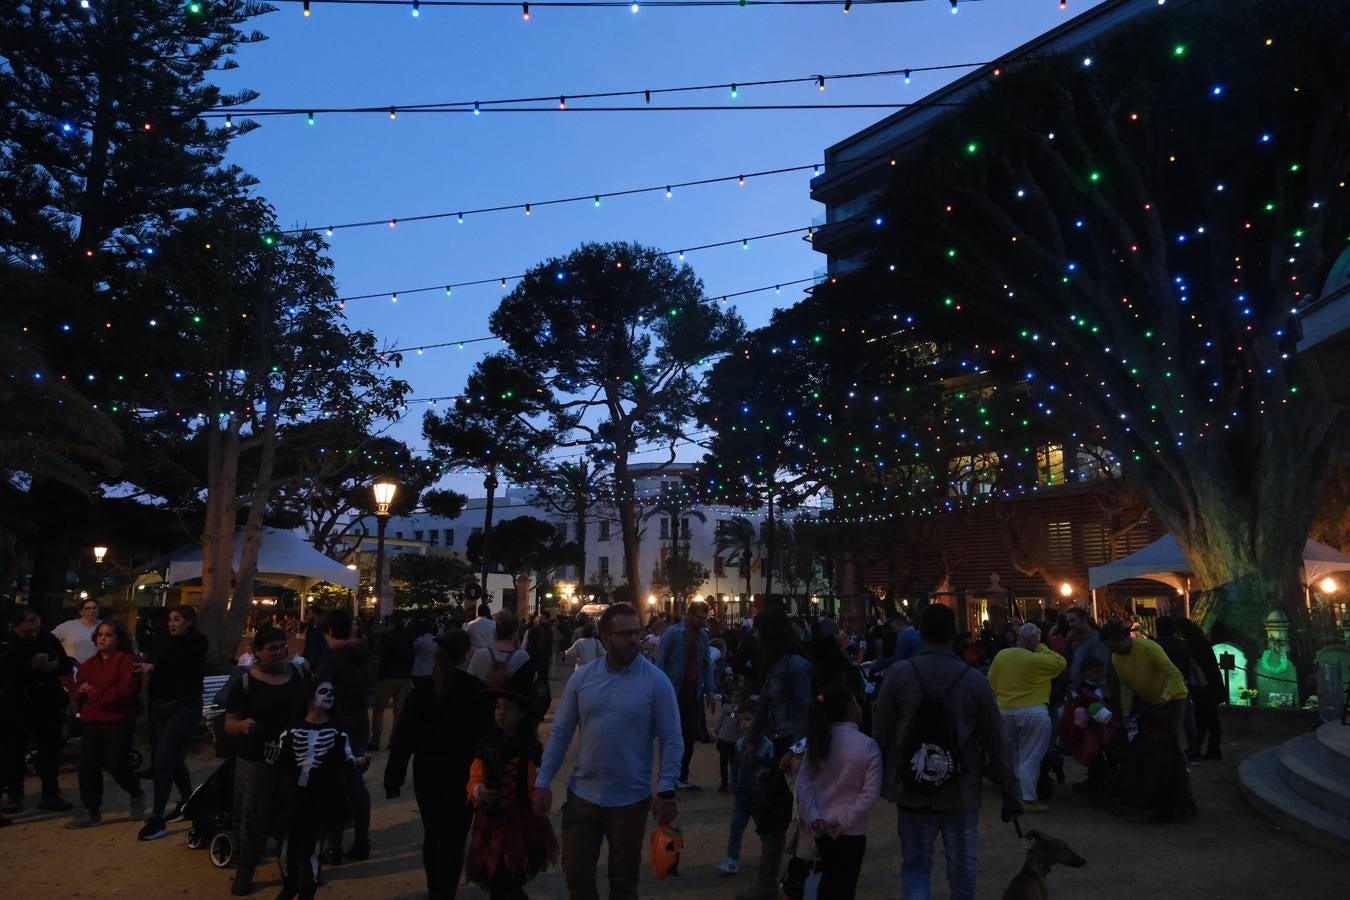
(177, 812)
(88, 820)
(686, 786)
(152, 829)
(728, 866)
(55, 803)
(137, 805)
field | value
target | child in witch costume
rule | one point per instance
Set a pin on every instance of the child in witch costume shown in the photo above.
(509, 844)
(312, 756)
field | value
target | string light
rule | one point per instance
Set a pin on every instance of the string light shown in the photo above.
(820, 82)
(416, 8)
(525, 11)
(848, 4)
(306, 9)
(954, 9)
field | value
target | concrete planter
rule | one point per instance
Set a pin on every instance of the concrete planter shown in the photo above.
(1266, 722)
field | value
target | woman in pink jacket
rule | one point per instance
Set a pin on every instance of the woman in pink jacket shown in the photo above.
(837, 786)
(107, 695)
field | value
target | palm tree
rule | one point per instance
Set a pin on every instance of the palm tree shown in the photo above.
(674, 505)
(735, 539)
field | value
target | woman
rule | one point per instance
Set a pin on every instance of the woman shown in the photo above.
(177, 661)
(784, 701)
(107, 694)
(439, 730)
(32, 701)
(425, 648)
(587, 647)
(1021, 677)
(496, 664)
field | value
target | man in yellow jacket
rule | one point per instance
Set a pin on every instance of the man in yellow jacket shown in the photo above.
(1020, 677)
(1146, 675)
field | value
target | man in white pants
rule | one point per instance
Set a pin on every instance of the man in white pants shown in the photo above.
(1021, 677)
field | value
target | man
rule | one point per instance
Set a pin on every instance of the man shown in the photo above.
(1020, 677)
(395, 678)
(345, 665)
(1084, 644)
(32, 702)
(315, 648)
(258, 708)
(953, 808)
(684, 656)
(1147, 675)
(482, 630)
(621, 704)
(77, 635)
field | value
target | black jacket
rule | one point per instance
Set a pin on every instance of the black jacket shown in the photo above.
(179, 665)
(396, 654)
(440, 732)
(345, 666)
(21, 686)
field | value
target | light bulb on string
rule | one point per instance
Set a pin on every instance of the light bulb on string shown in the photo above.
(820, 82)
(229, 121)
(476, 110)
(305, 10)
(907, 74)
(527, 209)
(309, 118)
(668, 194)
(562, 103)
(393, 113)
(634, 7)
(330, 230)
(461, 218)
(416, 8)
(954, 9)
(597, 199)
(848, 4)
(734, 92)
(525, 11)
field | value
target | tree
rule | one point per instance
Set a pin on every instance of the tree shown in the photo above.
(1132, 235)
(491, 429)
(571, 489)
(679, 575)
(426, 580)
(102, 152)
(735, 542)
(617, 333)
(525, 546)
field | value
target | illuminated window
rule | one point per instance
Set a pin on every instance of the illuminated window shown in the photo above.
(1050, 464)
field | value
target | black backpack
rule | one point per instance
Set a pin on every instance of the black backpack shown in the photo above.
(932, 752)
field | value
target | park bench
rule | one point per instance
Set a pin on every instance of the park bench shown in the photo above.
(211, 686)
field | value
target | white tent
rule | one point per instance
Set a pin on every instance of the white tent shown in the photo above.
(285, 558)
(1163, 561)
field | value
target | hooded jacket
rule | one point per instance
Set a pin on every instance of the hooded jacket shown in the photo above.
(114, 693)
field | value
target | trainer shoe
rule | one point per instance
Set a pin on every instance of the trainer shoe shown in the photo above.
(55, 803)
(152, 829)
(177, 812)
(88, 820)
(728, 866)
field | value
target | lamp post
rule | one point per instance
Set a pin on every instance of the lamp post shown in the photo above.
(99, 553)
(384, 498)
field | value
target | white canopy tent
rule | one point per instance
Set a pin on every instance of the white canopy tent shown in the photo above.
(1163, 561)
(284, 559)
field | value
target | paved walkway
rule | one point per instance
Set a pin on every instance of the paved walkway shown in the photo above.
(1229, 852)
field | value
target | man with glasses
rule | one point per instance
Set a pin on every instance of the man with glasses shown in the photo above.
(77, 635)
(258, 709)
(621, 704)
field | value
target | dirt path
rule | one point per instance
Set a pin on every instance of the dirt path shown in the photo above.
(1229, 852)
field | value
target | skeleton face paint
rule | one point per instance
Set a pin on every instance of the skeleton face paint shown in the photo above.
(323, 696)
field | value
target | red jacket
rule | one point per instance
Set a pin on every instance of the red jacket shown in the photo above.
(114, 689)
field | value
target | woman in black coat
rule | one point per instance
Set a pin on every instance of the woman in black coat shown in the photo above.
(439, 729)
(177, 662)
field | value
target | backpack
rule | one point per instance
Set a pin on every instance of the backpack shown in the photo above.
(932, 753)
(497, 678)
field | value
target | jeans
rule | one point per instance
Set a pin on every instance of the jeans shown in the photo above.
(389, 692)
(171, 729)
(918, 838)
(726, 762)
(105, 746)
(584, 826)
(841, 860)
(1027, 734)
(740, 818)
(445, 830)
(690, 721)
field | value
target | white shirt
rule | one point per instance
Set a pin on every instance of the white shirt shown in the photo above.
(480, 664)
(584, 650)
(424, 656)
(482, 632)
(77, 638)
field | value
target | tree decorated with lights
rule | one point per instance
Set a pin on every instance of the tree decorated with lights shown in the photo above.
(101, 152)
(492, 428)
(1131, 229)
(618, 333)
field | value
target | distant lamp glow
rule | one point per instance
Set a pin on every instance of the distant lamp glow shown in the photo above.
(100, 552)
(1329, 586)
(651, 599)
(384, 496)
(1066, 590)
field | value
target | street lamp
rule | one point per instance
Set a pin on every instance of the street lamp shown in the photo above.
(99, 553)
(1066, 590)
(384, 498)
(1328, 585)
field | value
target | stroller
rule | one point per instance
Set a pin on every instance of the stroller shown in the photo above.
(210, 809)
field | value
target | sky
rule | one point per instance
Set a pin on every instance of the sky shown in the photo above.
(348, 168)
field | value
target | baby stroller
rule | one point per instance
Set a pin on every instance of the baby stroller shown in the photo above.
(210, 809)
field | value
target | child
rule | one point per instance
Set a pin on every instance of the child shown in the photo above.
(312, 756)
(801, 843)
(509, 843)
(745, 782)
(728, 733)
(837, 786)
(1088, 728)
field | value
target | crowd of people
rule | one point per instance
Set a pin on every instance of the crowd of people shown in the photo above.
(812, 727)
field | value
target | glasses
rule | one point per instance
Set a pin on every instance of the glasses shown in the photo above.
(632, 633)
(277, 648)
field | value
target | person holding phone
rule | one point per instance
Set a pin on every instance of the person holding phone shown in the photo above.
(31, 703)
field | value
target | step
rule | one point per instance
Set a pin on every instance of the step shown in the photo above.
(1303, 768)
(1335, 740)
(1262, 787)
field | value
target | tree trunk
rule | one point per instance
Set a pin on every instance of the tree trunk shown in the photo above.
(489, 485)
(222, 483)
(523, 582)
(627, 509)
(247, 575)
(768, 562)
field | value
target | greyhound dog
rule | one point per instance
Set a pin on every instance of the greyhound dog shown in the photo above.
(1045, 851)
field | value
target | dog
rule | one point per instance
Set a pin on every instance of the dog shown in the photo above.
(1045, 851)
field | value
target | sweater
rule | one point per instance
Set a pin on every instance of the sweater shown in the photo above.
(114, 689)
(1021, 678)
(848, 783)
(1146, 672)
(179, 663)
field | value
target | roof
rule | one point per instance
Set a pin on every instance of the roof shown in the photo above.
(285, 558)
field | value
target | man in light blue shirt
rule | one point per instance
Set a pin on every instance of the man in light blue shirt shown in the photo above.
(684, 656)
(622, 704)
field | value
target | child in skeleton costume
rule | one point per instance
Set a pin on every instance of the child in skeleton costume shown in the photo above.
(509, 844)
(311, 756)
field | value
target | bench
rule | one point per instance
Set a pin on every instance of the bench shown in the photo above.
(211, 686)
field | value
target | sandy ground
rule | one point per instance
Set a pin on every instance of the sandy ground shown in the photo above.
(1229, 852)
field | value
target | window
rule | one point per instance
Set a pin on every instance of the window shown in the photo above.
(1059, 543)
(665, 529)
(417, 535)
(684, 528)
(434, 536)
(399, 535)
(449, 537)
(604, 565)
(719, 566)
(973, 475)
(1050, 464)
(604, 531)
(1096, 544)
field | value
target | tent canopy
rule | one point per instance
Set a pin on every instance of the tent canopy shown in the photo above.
(1163, 561)
(284, 558)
